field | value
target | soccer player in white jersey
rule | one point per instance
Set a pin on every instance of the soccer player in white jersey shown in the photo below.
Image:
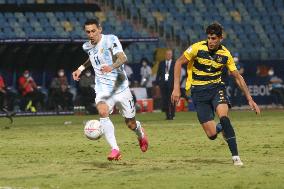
(106, 56)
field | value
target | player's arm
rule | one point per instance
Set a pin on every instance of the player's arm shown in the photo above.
(177, 71)
(118, 56)
(119, 59)
(87, 63)
(33, 83)
(23, 82)
(243, 86)
(188, 55)
(76, 74)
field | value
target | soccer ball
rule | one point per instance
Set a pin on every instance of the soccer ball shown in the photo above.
(93, 130)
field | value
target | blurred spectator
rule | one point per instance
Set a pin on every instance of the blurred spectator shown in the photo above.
(87, 94)
(33, 98)
(146, 79)
(276, 88)
(262, 70)
(3, 93)
(60, 96)
(236, 94)
(6, 97)
(129, 73)
(165, 81)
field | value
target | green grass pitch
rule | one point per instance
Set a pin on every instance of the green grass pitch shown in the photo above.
(45, 153)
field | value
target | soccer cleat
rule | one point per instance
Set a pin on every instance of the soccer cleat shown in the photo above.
(143, 142)
(237, 161)
(114, 155)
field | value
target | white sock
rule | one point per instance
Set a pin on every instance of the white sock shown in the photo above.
(109, 132)
(138, 131)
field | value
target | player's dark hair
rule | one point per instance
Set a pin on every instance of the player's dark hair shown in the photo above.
(215, 28)
(92, 21)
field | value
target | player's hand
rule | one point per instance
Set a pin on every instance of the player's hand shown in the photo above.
(76, 75)
(254, 107)
(106, 68)
(175, 96)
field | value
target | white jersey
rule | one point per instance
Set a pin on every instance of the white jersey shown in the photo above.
(102, 54)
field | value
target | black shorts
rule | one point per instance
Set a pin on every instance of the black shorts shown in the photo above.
(206, 98)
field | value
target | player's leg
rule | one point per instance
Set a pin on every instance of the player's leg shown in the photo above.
(125, 103)
(221, 105)
(205, 114)
(139, 131)
(103, 110)
(209, 128)
(134, 126)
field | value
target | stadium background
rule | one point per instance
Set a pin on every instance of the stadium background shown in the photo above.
(45, 35)
(51, 151)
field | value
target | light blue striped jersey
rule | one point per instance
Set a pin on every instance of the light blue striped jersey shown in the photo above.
(100, 54)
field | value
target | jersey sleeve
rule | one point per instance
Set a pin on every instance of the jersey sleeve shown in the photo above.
(191, 52)
(116, 45)
(86, 47)
(189, 77)
(231, 63)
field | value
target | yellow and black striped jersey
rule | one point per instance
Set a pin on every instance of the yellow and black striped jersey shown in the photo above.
(206, 67)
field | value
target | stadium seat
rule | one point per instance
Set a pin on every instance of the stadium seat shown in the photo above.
(173, 20)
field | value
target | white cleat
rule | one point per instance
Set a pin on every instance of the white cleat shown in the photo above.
(237, 161)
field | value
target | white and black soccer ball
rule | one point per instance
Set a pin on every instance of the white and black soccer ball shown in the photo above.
(93, 130)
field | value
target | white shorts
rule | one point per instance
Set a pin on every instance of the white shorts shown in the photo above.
(123, 101)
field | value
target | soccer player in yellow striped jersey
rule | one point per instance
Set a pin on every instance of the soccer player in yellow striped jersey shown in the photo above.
(205, 60)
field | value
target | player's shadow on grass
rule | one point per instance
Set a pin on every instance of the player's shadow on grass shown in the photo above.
(205, 161)
(96, 165)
